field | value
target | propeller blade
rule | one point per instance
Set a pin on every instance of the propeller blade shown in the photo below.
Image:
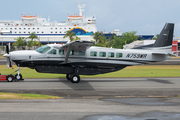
(8, 63)
(7, 49)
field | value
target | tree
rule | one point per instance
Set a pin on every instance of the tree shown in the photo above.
(33, 36)
(96, 36)
(19, 42)
(126, 38)
(155, 38)
(29, 43)
(36, 43)
(72, 36)
(102, 41)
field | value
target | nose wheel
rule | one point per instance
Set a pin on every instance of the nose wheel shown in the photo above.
(18, 76)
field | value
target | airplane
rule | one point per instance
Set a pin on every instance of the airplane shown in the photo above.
(81, 58)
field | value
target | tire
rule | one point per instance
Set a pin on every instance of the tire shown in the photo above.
(18, 77)
(75, 78)
(68, 76)
(10, 78)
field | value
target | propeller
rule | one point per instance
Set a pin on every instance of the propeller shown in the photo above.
(8, 63)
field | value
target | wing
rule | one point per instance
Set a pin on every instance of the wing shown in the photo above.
(76, 46)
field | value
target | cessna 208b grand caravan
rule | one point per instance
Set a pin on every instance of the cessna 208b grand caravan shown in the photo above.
(79, 58)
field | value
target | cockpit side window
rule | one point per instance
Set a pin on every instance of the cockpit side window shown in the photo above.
(53, 52)
(61, 52)
(43, 49)
(72, 52)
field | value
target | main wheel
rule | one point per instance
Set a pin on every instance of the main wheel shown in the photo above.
(68, 76)
(75, 78)
(10, 78)
(18, 77)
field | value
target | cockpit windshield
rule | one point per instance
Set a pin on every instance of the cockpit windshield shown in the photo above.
(43, 49)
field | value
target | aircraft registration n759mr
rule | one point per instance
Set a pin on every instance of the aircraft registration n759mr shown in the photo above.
(79, 58)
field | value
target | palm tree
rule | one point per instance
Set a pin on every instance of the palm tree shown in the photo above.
(33, 36)
(29, 43)
(36, 43)
(19, 42)
(71, 36)
(96, 36)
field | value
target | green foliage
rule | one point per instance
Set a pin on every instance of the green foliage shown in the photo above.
(36, 43)
(20, 41)
(155, 38)
(29, 43)
(126, 38)
(33, 36)
(72, 36)
(114, 41)
(96, 36)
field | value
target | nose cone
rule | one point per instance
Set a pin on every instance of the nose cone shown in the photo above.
(22, 55)
(6, 55)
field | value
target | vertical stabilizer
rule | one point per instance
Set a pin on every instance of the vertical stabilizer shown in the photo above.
(166, 36)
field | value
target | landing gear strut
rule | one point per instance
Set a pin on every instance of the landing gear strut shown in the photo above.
(75, 78)
(18, 76)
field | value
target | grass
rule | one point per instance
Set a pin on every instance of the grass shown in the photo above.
(4, 96)
(131, 71)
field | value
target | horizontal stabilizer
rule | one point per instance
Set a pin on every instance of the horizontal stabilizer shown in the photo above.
(159, 54)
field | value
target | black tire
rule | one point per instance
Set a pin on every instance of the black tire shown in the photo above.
(10, 78)
(75, 78)
(18, 77)
(68, 76)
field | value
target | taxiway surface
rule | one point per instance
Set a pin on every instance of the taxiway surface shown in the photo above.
(93, 99)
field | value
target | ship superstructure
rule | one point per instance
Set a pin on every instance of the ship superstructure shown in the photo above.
(28, 24)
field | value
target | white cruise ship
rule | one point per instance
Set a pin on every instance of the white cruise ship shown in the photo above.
(46, 30)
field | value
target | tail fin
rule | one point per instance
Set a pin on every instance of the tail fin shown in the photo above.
(166, 36)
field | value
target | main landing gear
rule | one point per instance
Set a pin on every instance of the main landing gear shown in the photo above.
(74, 78)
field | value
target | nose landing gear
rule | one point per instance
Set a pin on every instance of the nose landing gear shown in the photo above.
(18, 76)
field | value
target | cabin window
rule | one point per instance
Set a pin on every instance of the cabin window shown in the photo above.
(55, 32)
(42, 32)
(81, 53)
(51, 28)
(118, 55)
(43, 49)
(19, 28)
(53, 51)
(55, 28)
(38, 28)
(24, 32)
(61, 52)
(19, 32)
(59, 32)
(37, 32)
(24, 28)
(93, 53)
(102, 54)
(51, 32)
(29, 28)
(110, 54)
(72, 52)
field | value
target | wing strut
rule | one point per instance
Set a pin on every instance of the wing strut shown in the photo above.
(67, 54)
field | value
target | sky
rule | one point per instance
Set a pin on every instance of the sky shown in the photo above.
(147, 17)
